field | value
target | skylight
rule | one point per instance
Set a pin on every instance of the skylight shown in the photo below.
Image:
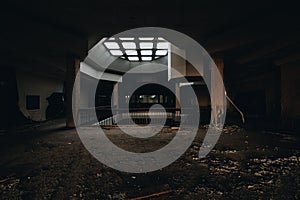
(112, 45)
(146, 45)
(161, 52)
(146, 52)
(133, 58)
(126, 38)
(146, 58)
(129, 45)
(131, 52)
(146, 38)
(116, 52)
(137, 49)
(162, 45)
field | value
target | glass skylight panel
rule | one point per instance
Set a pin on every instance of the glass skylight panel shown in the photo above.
(112, 45)
(146, 58)
(161, 52)
(146, 52)
(133, 58)
(129, 45)
(146, 38)
(131, 52)
(162, 45)
(116, 52)
(126, 38)
(137, 48)
(146, 45)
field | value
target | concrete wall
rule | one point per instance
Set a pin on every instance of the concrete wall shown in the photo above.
(290, 96)
(267, 82)
(202, 95)
(29, 83)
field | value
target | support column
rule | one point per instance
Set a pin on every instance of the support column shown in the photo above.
(116, 95)
(290, 96)
(218, 98)
(73, 67)
(219, 61)
(177, 93)
(177, 102)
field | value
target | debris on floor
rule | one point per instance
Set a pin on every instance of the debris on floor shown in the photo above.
(157, 194)
(232, 129)
(47, 168)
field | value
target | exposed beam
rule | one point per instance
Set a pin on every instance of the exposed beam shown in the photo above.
(273, 46)
(259, 30)
(288, 59)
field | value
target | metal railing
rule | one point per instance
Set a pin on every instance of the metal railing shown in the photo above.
(104, 116)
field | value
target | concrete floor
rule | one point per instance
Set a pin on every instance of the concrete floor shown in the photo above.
(50, 162)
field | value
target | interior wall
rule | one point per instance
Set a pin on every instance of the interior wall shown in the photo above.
(266, 83)
(29, 83)
(10, 114)
(290, 96)
(203, 96)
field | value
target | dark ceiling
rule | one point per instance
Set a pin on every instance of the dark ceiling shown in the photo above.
(44, 34)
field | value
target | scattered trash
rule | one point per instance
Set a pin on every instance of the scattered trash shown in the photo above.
(152, 195)
(4, 180)
(250, 186)
(118, 196)
(230, 169)
(232, 129)
(229, 151)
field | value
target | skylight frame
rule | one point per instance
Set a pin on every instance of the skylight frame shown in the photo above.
(137, 49)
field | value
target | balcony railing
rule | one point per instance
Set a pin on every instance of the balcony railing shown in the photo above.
(104, 116)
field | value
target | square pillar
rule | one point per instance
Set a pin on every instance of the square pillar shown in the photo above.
(218, 99)
(115, 95)
(73, 67)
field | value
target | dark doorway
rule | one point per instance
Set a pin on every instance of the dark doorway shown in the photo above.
(10, 114)
(253, 103)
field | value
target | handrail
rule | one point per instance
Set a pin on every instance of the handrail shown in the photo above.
(235, 106)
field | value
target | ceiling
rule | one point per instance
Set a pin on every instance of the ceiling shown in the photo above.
(43, 35)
